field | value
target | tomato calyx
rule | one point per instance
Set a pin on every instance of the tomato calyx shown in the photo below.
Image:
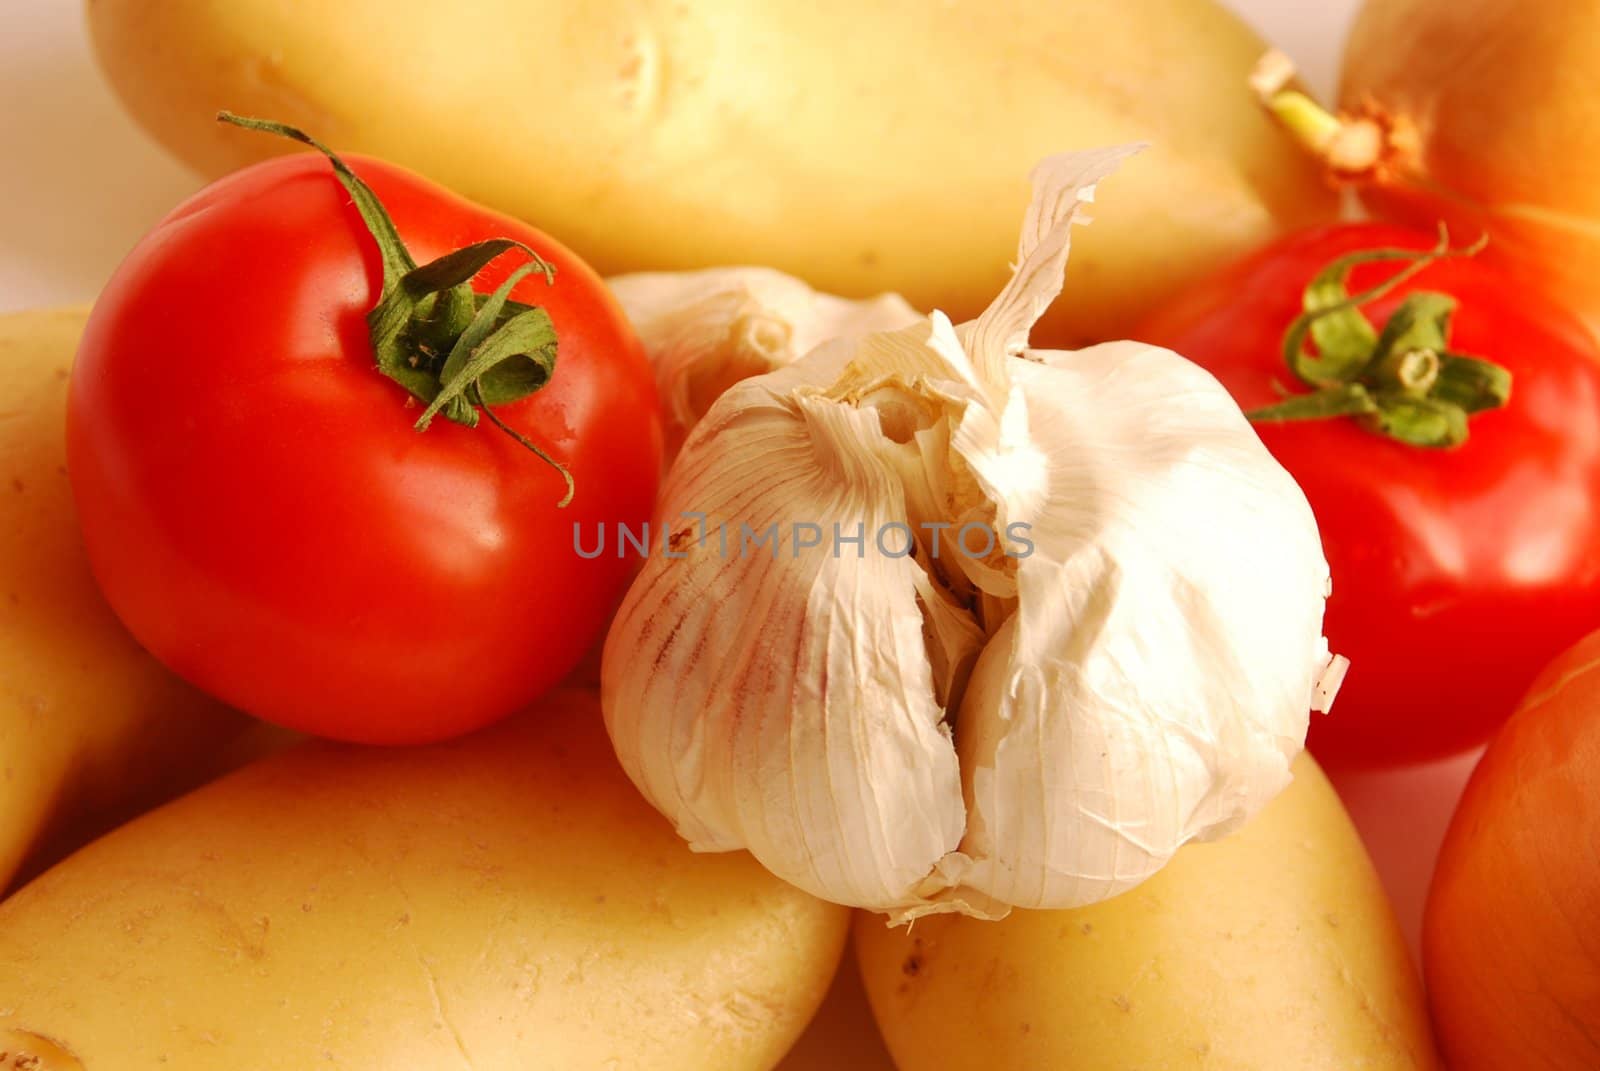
(457, 351)
(1402, 382)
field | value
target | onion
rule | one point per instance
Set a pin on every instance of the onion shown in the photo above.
(1480, 113)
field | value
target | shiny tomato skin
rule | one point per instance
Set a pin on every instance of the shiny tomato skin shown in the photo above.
(258, 509)
(1457, 574)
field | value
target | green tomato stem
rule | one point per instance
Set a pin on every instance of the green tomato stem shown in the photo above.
(1401, 381)
(456, 351)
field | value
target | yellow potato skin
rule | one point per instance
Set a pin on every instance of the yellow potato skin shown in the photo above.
(1271, 949)
(503, 901)
(862, 147)
(90, 725)
(842, 1035)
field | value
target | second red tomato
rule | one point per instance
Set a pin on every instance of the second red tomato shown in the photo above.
(1457, 573)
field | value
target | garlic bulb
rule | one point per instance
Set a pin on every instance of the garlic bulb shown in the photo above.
(944, 624)
(707, 330)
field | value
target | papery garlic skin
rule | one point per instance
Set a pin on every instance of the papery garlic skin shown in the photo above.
(1141, 678)
(706, 330)
(1123, 711)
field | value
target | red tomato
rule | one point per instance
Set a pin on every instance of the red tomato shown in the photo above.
(258, 508)
(1511, 935)
(1457, 573)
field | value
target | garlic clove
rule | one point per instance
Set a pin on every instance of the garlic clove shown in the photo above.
(1139, 697)
(784, 701)
(706, 330)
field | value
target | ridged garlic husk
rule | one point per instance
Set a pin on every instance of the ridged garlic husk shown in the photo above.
(707, 330)
(979, 727)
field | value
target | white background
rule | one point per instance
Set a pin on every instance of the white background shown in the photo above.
(80, 184)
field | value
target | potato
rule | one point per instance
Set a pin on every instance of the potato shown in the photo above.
(1273, 948)
(842, 1035)
(91, 727)
(507, 900)
(862, 147)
